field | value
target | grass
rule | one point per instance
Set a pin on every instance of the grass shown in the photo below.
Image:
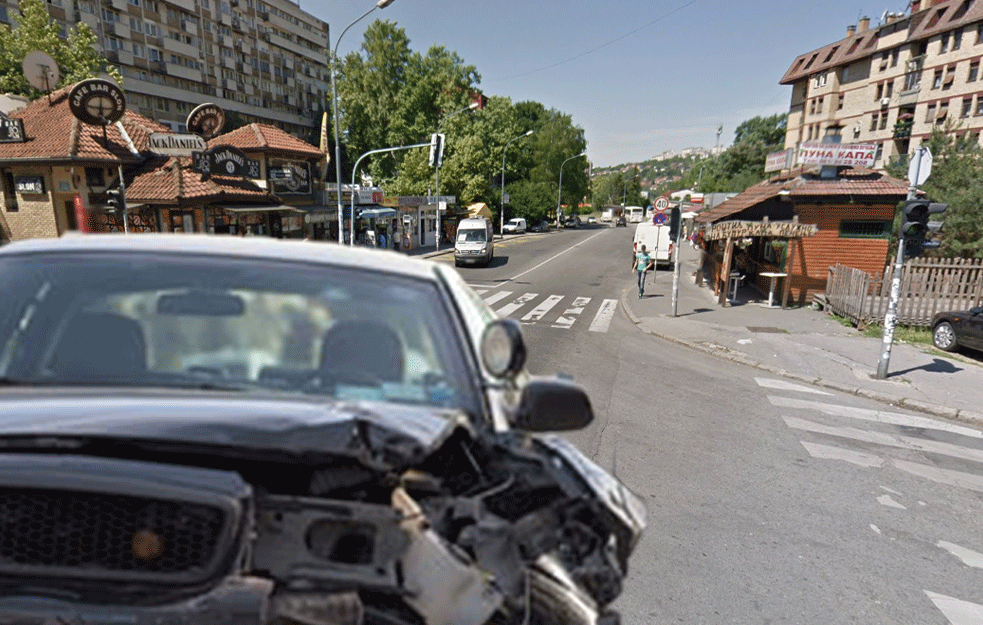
(915, 335)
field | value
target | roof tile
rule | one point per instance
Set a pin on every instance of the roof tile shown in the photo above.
(266, 138)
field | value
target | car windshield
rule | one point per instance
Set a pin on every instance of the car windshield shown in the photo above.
(471, 236)
(229, 323)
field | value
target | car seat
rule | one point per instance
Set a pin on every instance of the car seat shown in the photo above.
(100, 346)
(354, 347)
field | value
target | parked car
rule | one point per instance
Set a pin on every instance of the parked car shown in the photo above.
(201, 428)
(571, 221)
(964, 328)
(591, 220)
(621, 221)
(543, 226)
(516, 225)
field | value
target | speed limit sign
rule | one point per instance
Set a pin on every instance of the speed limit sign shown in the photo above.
(662, 203)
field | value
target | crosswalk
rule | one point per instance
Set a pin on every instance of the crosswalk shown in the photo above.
(555, 311)
(933, 450)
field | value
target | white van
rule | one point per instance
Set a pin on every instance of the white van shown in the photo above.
(656, 241)
(635, 214)
(475, 242)
(515, 226)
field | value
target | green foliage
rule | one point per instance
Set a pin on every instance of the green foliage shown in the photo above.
(616, 189)
(76, 56)
(535, 201)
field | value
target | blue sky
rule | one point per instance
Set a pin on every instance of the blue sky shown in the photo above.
(639, 76)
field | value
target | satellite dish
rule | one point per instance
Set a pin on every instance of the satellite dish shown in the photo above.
(40, 70)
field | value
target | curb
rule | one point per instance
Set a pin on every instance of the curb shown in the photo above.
(965, 416)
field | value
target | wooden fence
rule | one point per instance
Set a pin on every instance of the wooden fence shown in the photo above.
(928, 286)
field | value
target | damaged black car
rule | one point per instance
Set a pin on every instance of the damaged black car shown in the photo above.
(211, 430)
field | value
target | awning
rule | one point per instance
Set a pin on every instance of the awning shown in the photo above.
(258, 209)
(688, 215)
(378, 213)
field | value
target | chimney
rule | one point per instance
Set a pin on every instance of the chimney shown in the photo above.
(864, 24)
(851, 30)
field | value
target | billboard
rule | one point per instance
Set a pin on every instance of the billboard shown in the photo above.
(847, 154)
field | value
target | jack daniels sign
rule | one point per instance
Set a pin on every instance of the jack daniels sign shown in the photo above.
(224, 160)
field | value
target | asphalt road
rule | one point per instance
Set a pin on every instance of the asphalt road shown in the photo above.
(769, 502)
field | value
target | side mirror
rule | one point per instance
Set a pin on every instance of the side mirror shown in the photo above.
(976, 310)
(503, 351)
(552, 405)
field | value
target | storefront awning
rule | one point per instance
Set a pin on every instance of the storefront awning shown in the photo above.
(258, 209)
(378, 213)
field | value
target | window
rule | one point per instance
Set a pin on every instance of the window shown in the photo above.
(839, 103)
(154, 54)
(851, 229)
(152, 30)
(937, 79)
(974, 71)
(819, 102)
(944, 43)
(930, 113)
(950, 76)
(895, 55)
(943, 112)
(883, 124)
(967, 107)
(957, 39)
(880, 91)
(873, 121)
(136, 25)
(138, 51)
(979, 33)
(9, 193)
(879, 153)
(979, 106)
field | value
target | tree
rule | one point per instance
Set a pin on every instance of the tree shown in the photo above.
(533, 200)
(956, 180)
(76, 56)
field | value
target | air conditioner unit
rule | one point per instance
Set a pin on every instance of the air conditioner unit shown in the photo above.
(885, 101)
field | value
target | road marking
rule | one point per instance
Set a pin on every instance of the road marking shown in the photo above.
(825, 452)
(519, 302)
(968, 556)
(572, 247)
(889, 440)
(877, 416)
(887, 500)
(943, 476)
(958, 612)
(540, 311)
(570, 315)
(602, 320)
(480, 290)
(491, 299)
(782, 385)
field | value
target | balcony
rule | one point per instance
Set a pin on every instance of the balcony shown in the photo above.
(909, 96)
(902, 128)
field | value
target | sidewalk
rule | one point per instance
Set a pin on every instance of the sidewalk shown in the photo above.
(804, 345)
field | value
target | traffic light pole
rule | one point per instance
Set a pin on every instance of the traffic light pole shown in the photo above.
(891, 318)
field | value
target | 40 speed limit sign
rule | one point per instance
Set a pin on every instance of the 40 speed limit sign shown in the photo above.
(661, 203)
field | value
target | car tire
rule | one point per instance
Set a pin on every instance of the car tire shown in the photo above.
(944, 337)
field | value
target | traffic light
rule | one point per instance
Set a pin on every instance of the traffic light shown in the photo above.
(436, 149)
(915, 227)
(674, 223)
(115, 201)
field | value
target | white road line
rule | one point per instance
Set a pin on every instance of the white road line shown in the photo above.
(782, 385)
(968, 556)
(889, 440)
(958, 612)
(519, 302)
(943, 476)
(540, 311)
(876, 416)
(480, 290)
(602, 320)
(826, 452)
(491, 299)
(570, 315)
(552, 258)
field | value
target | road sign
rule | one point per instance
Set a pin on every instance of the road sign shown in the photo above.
(661, 203)
(920, 167)
(660, 218)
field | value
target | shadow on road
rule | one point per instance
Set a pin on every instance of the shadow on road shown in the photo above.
(938, 365)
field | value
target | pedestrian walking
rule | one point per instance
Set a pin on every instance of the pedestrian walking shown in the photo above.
(641, 264)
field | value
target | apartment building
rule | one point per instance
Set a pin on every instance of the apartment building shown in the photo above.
(264, 60)
(892, 83)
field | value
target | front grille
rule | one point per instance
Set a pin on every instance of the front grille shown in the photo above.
(106, 533)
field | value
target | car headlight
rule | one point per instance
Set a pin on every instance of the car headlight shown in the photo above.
(484, 249)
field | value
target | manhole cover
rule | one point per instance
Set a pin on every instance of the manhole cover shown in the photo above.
(763, 330)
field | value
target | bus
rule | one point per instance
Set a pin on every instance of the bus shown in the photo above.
(634, 214)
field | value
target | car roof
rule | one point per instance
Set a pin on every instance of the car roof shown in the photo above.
(260, 248)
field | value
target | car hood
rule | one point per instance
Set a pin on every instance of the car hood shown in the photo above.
(378, 434)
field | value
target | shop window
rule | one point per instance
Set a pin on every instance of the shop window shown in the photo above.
(95, 177)
(850, 229)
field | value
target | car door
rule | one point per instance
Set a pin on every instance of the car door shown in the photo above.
(973, 329)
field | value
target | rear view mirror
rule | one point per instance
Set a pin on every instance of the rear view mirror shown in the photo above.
(552, 405)
(201, 304)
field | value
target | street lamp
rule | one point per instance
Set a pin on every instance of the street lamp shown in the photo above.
(501, 216)
(380, 4)
(355, 170)
(559, 189)
(469, 107)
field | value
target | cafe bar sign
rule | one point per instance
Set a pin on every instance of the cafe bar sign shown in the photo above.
(845, 155)
(745, 229)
